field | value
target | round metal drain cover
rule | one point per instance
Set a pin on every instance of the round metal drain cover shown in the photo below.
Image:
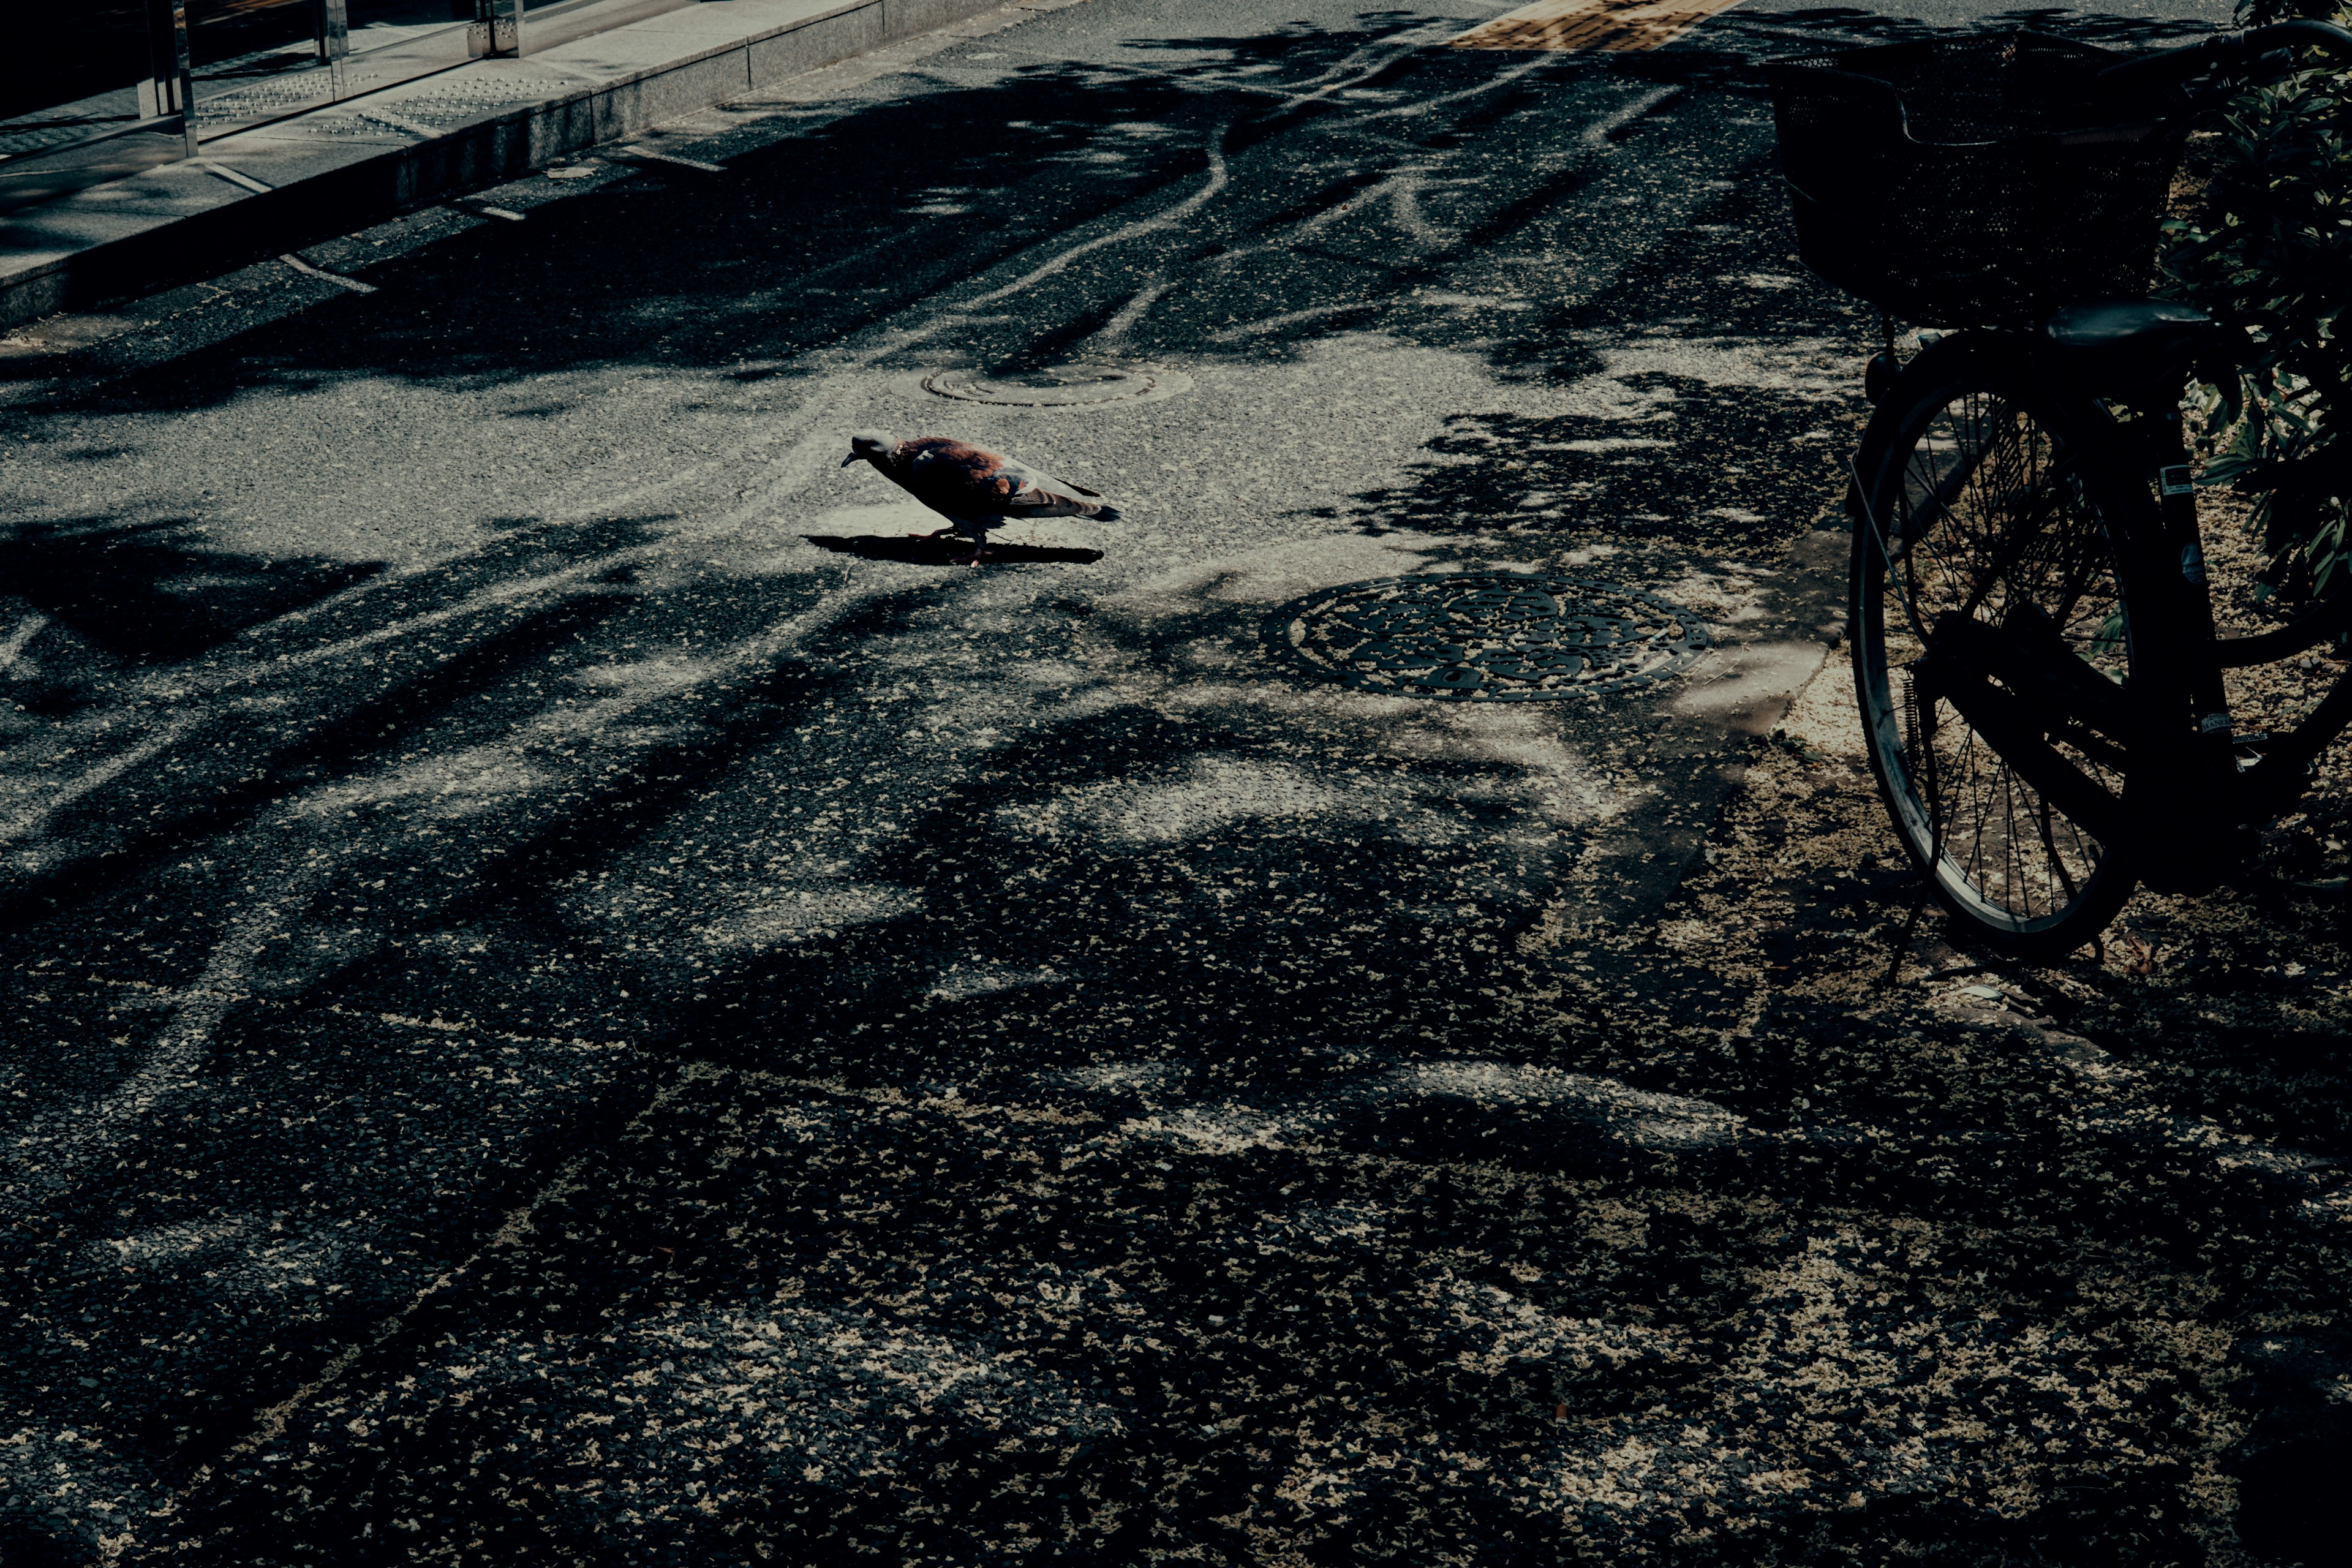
(1489, 637)
(1064, 388)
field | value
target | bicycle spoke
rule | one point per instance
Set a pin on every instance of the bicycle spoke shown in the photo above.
(1986, 518)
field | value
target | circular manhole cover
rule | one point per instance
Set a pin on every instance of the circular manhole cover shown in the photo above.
(1068, 389)
(1489, 637)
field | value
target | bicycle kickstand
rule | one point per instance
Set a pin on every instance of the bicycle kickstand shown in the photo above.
(1910, 932)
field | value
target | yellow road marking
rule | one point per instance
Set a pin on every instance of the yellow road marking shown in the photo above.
(1572, 24)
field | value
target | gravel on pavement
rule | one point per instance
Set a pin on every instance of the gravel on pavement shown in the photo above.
(571, 994)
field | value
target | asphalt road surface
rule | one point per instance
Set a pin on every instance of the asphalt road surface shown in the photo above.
(571, 993)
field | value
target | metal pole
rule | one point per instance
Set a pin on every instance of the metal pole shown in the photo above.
(167, 91)
(496, 29)
(335, 39)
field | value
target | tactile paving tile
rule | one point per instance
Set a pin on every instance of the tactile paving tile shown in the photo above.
(439, 103)
(261, 100)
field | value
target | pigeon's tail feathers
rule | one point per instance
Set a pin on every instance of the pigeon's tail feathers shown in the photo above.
(1040, 496)
(1104, 513)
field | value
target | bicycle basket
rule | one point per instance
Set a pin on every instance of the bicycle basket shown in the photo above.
(1972, 180)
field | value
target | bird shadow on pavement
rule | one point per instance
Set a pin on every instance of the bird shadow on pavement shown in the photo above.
(917, 550)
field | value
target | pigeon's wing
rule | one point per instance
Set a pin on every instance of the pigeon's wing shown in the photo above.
(955, 477)
(961, 479)
(1040, 494)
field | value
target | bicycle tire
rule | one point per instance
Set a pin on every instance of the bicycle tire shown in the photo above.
(1994, 490)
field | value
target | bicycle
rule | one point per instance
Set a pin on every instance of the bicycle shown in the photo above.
(2032, 632)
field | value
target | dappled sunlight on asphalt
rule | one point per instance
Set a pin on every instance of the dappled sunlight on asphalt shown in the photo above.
(574, 995)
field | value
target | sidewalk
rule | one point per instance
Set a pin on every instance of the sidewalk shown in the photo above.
(294, 181)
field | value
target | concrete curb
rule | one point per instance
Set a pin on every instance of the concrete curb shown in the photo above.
(285, 186)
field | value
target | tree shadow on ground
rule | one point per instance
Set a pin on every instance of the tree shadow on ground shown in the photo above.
(154, 591)
(1242, 942)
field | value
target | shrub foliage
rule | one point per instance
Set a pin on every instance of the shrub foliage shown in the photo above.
(2271, 241)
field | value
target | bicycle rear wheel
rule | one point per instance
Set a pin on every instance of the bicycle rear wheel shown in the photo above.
(1983, 496)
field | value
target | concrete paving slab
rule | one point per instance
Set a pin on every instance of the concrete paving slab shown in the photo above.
(283, 159)
(740, 19)
(477, 122)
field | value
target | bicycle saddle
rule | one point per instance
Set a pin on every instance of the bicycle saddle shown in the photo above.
(2129, 340)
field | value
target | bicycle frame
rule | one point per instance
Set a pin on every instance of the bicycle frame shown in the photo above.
(2016, 689)
(2263, 774)
(2141, 754)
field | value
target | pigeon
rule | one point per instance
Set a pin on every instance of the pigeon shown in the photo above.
(973, 488)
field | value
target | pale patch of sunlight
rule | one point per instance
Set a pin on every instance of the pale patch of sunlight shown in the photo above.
(1652, 1119)
(770, 917)
(958, 983)
(1274, 573)
(1214, 792)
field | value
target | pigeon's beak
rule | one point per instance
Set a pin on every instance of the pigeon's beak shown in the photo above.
(853, 457)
